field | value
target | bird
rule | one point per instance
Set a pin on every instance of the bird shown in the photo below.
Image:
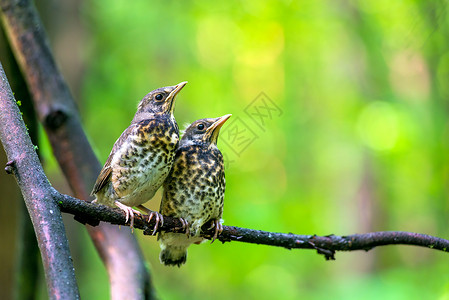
(194, 190)
(142, 156)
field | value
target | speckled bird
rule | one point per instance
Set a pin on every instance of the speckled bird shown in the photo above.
(194, 190)
(142, 156)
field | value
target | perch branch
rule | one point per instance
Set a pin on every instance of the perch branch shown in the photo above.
(39, 196)
(56, 110)
(325, 245)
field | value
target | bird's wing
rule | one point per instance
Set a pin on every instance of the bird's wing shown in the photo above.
(103, 178)
(105, 174)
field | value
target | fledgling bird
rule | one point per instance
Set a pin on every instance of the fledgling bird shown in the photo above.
(194, 189)
(142, 156)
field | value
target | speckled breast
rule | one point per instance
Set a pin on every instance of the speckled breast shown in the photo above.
(141, 168)
(196, 186)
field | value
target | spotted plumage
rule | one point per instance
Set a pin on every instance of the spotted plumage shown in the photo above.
(142, 156)
(194, 190)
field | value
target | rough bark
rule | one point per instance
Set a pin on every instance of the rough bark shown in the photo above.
(23, 249)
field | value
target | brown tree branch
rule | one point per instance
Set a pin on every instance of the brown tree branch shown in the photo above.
(56, 110)
(325, 245)
(39, 196)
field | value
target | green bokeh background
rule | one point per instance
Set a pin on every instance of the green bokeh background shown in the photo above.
(361, 142)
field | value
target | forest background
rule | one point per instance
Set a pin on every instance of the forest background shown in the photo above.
(339, 126)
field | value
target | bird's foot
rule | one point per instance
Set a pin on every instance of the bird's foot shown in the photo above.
(129, 211)
(218, 229)
(159, 218)
(185, 225)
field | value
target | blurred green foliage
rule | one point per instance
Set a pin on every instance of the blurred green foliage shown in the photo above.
(361, 143)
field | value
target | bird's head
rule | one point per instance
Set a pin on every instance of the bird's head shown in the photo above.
(204, 131)
(160, 101)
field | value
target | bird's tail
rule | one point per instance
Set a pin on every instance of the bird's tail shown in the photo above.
(173, 256)
(173, 248)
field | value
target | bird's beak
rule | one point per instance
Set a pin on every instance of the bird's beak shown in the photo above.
(171, 97)
(214, 129)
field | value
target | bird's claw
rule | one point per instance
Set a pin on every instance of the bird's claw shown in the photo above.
(185, 226)
(159, 219)
(218, 229)
(129, 211)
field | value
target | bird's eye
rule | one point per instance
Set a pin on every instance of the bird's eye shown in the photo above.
(200, 126)
(158, 97)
